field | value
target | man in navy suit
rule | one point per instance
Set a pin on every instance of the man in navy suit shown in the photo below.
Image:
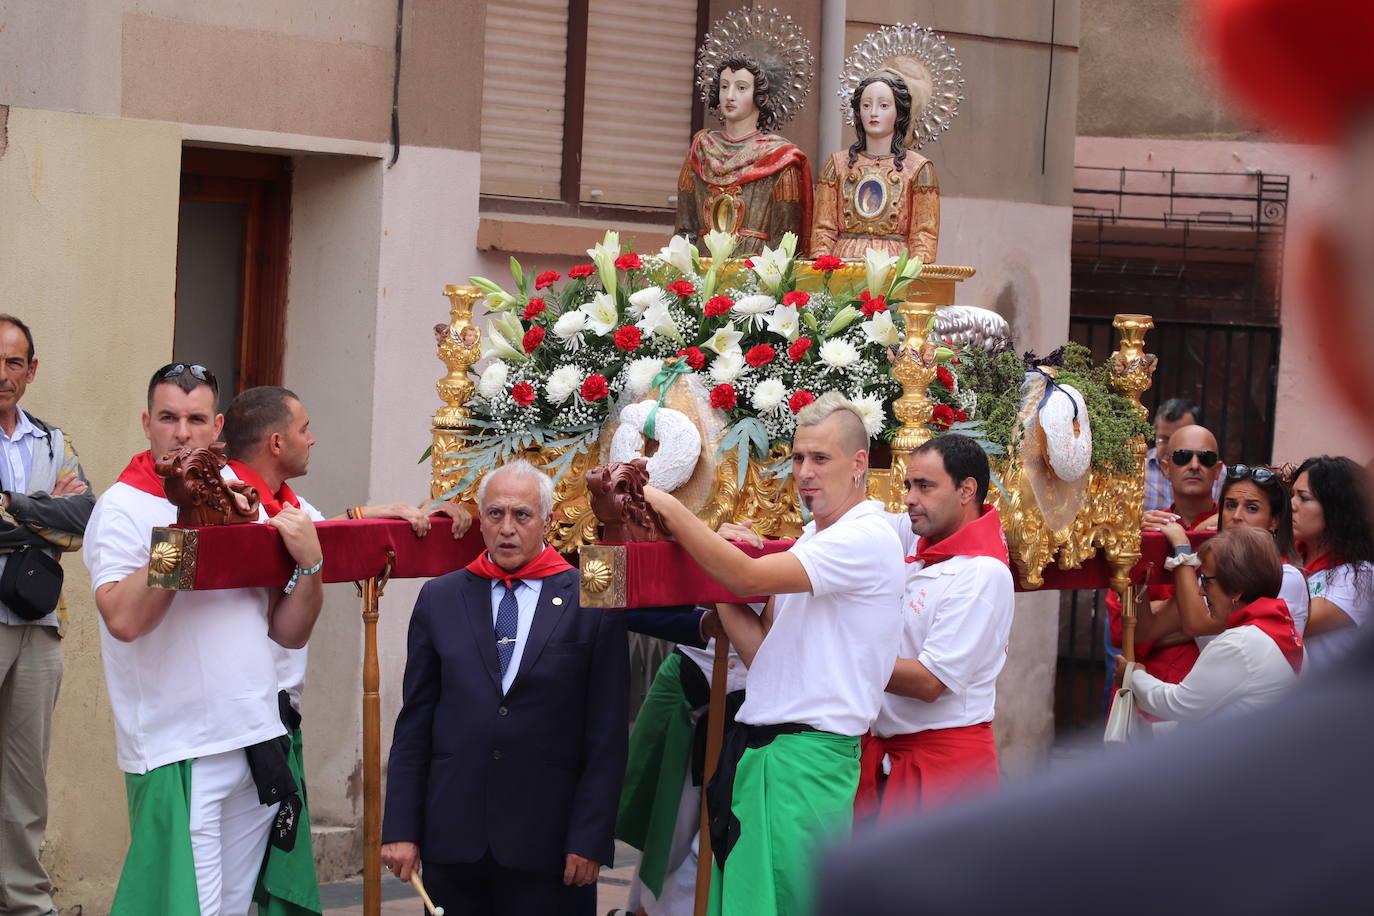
(510, 746)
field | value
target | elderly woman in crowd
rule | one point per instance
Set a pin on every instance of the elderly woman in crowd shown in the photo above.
(1331, 522)
(1259, 654)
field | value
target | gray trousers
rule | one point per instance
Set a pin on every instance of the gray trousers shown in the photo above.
(30, 674)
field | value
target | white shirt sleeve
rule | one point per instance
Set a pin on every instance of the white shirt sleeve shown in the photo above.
(116, 544)
(968, 635)
(1294, 594)
(844, 557)
(1220, 672)
(901, 523)
(1342, 590)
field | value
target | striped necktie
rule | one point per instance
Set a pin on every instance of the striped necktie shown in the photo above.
(507, 619)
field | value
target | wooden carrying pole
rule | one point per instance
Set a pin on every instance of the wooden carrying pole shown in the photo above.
(371, 590)
(715, 734)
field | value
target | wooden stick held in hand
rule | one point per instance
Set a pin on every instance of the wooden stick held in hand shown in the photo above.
(419, 886)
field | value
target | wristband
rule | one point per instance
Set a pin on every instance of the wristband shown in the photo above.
(301, 571)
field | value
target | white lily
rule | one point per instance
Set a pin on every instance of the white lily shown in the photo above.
(725, 339)
(657, 321)
(768, 394)
(503, 340)
(680, 253)
(601, 313)
(493, 379)
(727, 366)
(721, 245)
(639, 375)
(843, 318)
(789, 244)
(562, 382)
(871, 410)
(785, 322)
(770, 266)
(876, 268)
(496, 298)
(642, 300)
(752, 308)
(603, 255)
(881, 329)
(838, 353)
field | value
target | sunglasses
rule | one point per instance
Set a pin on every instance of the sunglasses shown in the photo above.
(1242, 471)
(200, 372)
(1205, 456)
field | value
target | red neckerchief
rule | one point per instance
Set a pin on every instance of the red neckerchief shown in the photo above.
(1272, 617)
(140, 474)
(1316, 564)
(272, 502)
(981, 537)
(1204, 515)
(547, 564)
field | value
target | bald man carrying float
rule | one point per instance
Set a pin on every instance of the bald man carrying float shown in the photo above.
(819, 659)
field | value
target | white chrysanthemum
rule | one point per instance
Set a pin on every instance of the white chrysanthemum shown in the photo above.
(838, 353)
(570, 324)
(601, 313)
(727, 367)
(871, 409)
(752, 308)
(768, 394)
(725, 339)
(645, 299)
(881, 330)
(562, 382)
(493, 379)
(639, 375)
(785, 322)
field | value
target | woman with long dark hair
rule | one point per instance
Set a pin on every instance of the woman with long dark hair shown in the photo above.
(1331, 524)
(878, 194)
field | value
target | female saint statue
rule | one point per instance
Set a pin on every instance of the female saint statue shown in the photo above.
(742, 178)
(880, 193)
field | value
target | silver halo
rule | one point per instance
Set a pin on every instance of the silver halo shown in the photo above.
(769, 37)
(878, 51)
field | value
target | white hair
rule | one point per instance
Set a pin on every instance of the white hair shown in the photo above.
(521, 468)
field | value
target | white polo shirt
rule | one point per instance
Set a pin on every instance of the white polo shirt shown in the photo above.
(1355, 597)
(829, 654)
(204, 680)
(291, 663)
(956, 620)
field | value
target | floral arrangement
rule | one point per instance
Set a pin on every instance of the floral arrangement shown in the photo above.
(565, 350)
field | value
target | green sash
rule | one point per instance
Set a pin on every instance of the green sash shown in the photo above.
(790, 797)
(159, 874)
(660, 751)
(287, 884)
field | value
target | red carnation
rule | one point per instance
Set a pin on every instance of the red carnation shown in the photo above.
(945, 377)
(719, 305)
(942, 416)
(961, 415)
(581, 272)
(682, 288)
(535, 307)
(760, 355)
(871, 304)
(595, 388)
(523, 394)
(629, 261)
(798, 349)
(800, 400)
(628, 337)
(827, 264)
(798, 298)
(547, 278)
(533, 338)
(723, 397)
(749, 263)
(695, 358)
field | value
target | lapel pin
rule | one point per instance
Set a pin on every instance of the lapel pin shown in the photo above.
(557, 601)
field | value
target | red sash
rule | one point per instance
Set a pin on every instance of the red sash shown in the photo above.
(929, 769)
(548, 563)
(272, 502)
(1272, 617)
(139, 473)
(1316, 564)
(981, 537)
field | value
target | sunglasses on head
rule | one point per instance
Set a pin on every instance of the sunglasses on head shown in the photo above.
(200, 372)
(1205, 456)
(1242, 471)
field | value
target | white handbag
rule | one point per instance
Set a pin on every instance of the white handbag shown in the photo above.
(1122, 720)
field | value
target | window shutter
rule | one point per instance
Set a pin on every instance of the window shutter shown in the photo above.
(638, 117)
(523, 88)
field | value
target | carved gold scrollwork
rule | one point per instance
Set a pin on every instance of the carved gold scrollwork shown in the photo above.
(914, 367)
